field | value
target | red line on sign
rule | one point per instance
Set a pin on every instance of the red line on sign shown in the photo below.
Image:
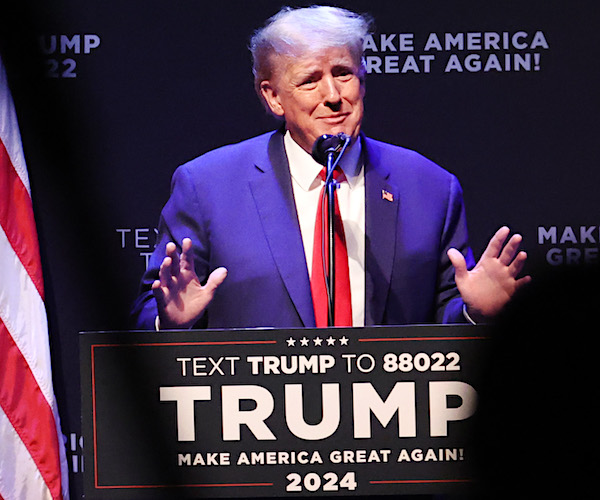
(158, 344)
(93, 369)
(94, 417)
(404, 339)
(207, 485)
(420, 481)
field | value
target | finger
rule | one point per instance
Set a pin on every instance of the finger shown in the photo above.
(171, 251)
(522, 281)
(510, 249)
(215, 279)
(495, 245)
(165, 274)
(459, 263)
(158, 292)
(517, 264)
(170, 248)
(187, 256)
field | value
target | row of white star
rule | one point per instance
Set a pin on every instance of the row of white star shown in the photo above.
(318, 341)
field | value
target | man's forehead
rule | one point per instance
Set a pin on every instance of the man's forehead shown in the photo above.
(309, 61)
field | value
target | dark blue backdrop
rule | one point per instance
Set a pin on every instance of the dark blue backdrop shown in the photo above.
(113, 96)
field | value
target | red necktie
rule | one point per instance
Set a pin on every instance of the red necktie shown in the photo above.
(343, 305)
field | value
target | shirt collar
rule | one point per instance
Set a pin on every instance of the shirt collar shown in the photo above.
(305, 170)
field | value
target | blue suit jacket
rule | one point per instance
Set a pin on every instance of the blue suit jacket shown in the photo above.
(236, 204)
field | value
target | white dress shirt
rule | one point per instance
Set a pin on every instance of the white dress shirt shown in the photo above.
(307, 185)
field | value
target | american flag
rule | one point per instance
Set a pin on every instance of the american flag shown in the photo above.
(32, 455)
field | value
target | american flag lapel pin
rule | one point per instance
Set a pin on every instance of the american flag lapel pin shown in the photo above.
(386, 195)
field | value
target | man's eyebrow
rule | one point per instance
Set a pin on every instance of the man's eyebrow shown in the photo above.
(343, 65)
(309, 73)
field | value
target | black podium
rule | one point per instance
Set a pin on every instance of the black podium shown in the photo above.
(280, 413)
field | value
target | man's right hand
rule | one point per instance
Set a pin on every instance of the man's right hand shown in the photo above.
(180, 296)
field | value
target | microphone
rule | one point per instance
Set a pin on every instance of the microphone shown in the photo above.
(328, 150)
(327, 145)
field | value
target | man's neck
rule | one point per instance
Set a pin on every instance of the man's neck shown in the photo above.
(350, 163)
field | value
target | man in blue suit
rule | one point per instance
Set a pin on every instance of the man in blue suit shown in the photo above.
(237, 235)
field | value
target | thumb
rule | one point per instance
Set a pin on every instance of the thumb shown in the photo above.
(215, 279)
(457, 259)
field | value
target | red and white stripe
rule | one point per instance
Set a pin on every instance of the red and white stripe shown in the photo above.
(32, 456)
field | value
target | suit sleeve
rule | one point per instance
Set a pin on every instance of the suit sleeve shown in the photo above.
(181, 218)
(449, 305)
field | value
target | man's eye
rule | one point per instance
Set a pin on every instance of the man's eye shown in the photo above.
(344, 74)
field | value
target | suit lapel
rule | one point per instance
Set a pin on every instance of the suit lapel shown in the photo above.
(382, 201)
(274, 199)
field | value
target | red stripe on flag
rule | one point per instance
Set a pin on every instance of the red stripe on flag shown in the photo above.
(28, 411)
(16, 218)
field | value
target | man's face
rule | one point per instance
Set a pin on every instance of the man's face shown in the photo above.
(316, 94)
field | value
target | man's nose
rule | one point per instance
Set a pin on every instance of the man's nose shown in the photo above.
(331, 91)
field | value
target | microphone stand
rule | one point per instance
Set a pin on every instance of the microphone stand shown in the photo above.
(330, 187)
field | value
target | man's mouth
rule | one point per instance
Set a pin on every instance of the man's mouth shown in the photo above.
(334, 119)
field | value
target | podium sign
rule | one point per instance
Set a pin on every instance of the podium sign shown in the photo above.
(299, 412)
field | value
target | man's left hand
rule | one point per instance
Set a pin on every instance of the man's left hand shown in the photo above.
(493, 281)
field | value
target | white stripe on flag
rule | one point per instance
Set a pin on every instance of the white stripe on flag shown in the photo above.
(32, 455)
(20, 478)
(9, 130)
(24, 314)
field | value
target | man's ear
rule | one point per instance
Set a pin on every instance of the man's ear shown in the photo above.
(271, 97)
